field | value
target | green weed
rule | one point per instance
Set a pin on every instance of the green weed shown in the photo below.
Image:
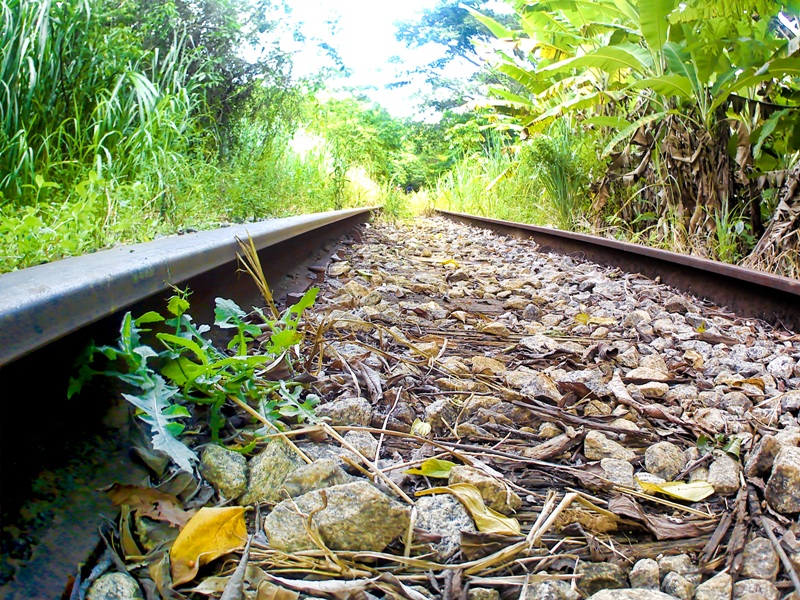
(171, 371)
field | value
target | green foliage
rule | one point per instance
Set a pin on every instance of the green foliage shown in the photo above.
(691, 100)
(558, 169)
(189, 370)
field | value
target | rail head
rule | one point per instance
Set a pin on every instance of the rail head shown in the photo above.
(750, 293)
(41, 304)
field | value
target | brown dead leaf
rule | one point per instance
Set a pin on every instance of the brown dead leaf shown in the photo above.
(149, 502)
(211, 533)
(664, 528)
(479, 544)
(588, 519)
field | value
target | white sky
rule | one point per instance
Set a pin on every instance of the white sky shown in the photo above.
(364, 36)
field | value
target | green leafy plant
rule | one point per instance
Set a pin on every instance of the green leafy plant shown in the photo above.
(183, 368)
(730, 444)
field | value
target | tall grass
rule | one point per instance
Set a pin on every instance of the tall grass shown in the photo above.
(529, 182)
(108, 137)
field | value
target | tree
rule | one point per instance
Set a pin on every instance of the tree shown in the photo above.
(692, 93)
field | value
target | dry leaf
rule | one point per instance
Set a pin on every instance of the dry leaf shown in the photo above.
(149, 502)
(449, 261)
(258, 578)
(420, 428)
(486, 519)
(664, 528)
(211, 533)
(585, 319)
(433, 467)
(690, 492)
(129, 546)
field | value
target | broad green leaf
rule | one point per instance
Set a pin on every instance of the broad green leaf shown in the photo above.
(679, 63)
(602, 121)
(668, 85)
(177, 305)
(609, 59)
(654, 22)
(182, 370)
(198, 351)
(524, 77)
(486, 519)
(282, 340)
(149, 317)
(628, 9)
(496, 28)
(776, 69)
(227, 313)
(305, 302)
(689, 492)
(767, 129)
(433, 467)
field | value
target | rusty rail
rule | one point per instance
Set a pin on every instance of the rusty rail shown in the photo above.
(748, 293)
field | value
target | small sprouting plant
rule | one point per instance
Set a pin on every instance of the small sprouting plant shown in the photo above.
(182, 368)
(730, 444)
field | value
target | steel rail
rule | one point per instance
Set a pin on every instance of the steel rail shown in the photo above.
(748, 293)
(41, 304)
(49, 313)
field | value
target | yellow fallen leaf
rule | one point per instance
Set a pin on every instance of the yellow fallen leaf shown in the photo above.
(211, 533)
(486, 519)
(585, 319)
(449, 261)
(433, 467)
(690, 492)
(420, 428)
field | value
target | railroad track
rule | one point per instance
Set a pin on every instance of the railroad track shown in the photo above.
(48, 313)
(748, 293)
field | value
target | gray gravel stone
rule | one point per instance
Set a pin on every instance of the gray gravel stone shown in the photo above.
(678, 586)
(781, 367)
(719, 587)
(267, 472)
(757, 588)
(664, 459)
(114, 586)
(597, 446)
(225, 470)
(723, 474)
(482, 594)
(443, 515)
(618, 471)
(637, 594)
(320, 474)
(762, 456)
(645, 574)
(347, 411)
(551, 590)
(783, 487)
(356, 516)
(681, 564)
(364, 442)
(759, 560)
(600, 576)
